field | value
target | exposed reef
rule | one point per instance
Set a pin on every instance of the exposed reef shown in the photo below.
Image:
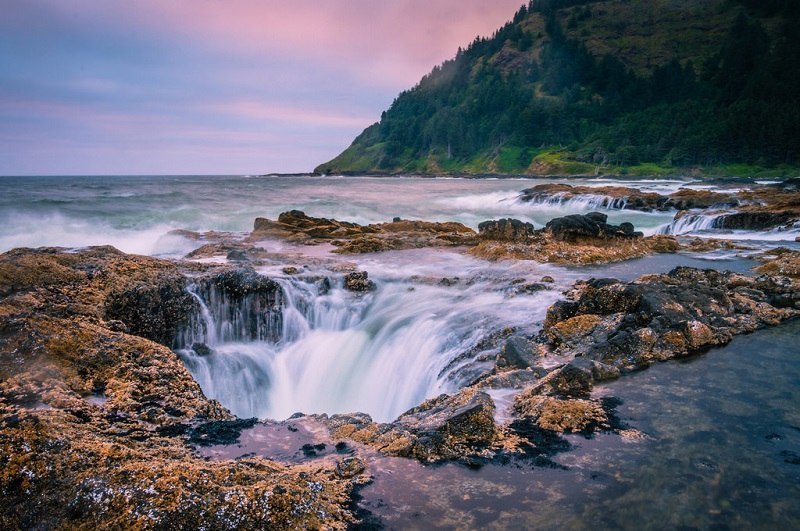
(573, 239)
(351, 238)
(93, 417)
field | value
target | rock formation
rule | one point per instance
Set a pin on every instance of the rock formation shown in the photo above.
(351, 238)
(95, 421)
(573, 239)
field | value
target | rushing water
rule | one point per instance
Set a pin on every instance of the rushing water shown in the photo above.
(381, 352)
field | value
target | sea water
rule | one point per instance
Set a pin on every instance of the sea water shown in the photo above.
(136, 213)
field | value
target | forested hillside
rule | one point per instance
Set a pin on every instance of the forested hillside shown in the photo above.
(582, 87)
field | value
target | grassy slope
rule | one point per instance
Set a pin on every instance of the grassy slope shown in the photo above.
(643, 34)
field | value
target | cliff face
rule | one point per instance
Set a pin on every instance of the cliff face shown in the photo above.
(577, 86)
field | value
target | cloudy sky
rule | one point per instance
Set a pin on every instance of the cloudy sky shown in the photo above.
(212, 86)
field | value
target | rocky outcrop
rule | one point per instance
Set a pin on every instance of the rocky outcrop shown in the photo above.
(576, 239)
(448, 427)
(359, 281)
(781, 261)
(351, 238)
(506, 230)
(602, 196)
(688, 199)
(97, 424)
(517, 353)
(251, 303)
(621, 197)
(755, 220)
(590, 227)
(561, 415)
(658, 317)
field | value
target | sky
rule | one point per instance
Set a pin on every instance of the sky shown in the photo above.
(94, 87)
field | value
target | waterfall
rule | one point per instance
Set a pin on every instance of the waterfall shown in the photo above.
(690, 223)
(224, 316)
(583, 202)
(380, 353)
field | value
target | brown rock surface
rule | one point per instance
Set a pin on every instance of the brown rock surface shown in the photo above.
(351, 238)
(93, 421)
(780, 261)
(571, 415)
(658, 317)
(544, 248)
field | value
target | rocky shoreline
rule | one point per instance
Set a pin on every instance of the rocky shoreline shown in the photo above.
(754, 207)
(101, 422)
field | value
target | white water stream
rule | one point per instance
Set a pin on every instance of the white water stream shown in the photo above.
(338, 352)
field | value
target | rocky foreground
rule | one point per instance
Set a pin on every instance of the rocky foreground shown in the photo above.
(100, 421)
(97, 413)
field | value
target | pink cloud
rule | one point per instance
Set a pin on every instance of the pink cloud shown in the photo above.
(384, 43)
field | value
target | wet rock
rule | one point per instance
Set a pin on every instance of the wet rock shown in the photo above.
(241, 295)
(517, 353)
(577, 377)
(290, 270)
(543, 247)
(247, 254)
(573, 415)
(577, 227)
(352, 238)
(687, 199)
(755, 220)
(448, 427)
(445, 428)
(234, 251)
(405, 234)
(155, 310)
(358, 281)
(350, 467)
(242, 282)
(506, 229)
(630, 198)
(605, 196)
(629, 325)
(548, 279)
(323, 285)
(513, 379)
(780, 261)
(201, 349)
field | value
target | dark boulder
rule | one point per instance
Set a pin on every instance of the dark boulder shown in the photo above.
(506, 230)
(517, 353)
(755, 220)
(350, 467)
(154, 309)
(449, 427)
(591, 226)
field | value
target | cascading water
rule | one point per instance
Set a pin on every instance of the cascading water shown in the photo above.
(337, 352)
(581, 202)
(690, 223)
